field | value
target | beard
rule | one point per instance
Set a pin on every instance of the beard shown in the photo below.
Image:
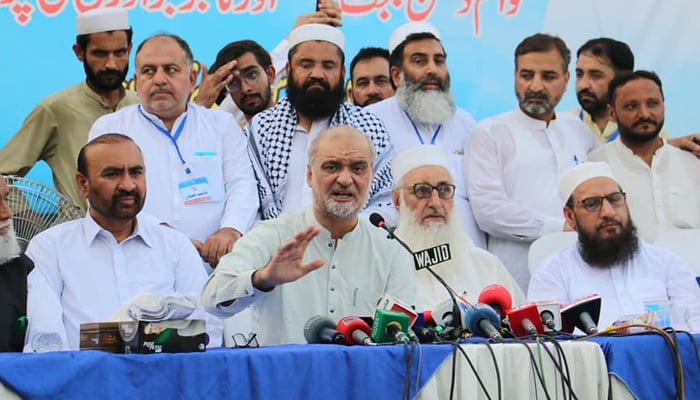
(629, 135)
(426, 106)
(315, 103)
(596, 106)
(537, 108)
(114, 210)
(105, 80)
(9, 246)
(605, 252)
(256, 108)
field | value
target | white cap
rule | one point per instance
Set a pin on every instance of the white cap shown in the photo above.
(417, 156)
(403, 31)
(581, 173)
(102, 20)
(323, 32)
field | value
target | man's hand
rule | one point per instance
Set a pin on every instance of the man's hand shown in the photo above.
(211, 85)
(217, 245)
(328, 13)
(285, 265)
(690, 143)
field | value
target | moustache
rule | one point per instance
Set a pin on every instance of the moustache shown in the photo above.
(642, 121)
(250, 96)
(123, 194)
(536, 95)
(109, 72)
(607, 221)
(316, 81)
(432, 78)
(585, 91)
(160, 89)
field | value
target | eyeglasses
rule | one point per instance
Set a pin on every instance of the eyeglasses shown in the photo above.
(241, 341)
(250, 76)
(425, 191)
(593, 204)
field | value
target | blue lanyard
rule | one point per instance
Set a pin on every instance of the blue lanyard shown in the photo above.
(420, 138)
(172, 138)
(612, 137)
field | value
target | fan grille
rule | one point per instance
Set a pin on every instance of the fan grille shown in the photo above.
(37, 207)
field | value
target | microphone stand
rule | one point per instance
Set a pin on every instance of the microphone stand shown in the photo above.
(454, 331)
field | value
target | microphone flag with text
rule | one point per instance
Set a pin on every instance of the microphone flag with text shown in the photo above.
(582, 313)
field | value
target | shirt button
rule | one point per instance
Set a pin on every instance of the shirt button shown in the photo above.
(330, 244)
(332, 310)
(332, 289)
(332, 266)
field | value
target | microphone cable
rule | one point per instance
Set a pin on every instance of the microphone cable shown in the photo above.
(650, 329)
(561, 363)
(458, 347)
(495, 367)
(533, 364)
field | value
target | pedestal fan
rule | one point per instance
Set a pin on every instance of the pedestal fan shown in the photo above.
(37, 207)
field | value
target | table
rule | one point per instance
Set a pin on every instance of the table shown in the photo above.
(642, 363)
(588, 372)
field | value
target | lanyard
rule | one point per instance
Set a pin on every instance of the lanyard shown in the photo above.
(172, 138)
(420, 138)
(612, 137)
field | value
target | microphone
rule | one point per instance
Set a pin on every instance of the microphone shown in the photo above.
(525, 320)
(391, 303)
(356, 331)
(497, 297)
(389, 327)
(583, 313)
(550, 315)
(482, 321)
(320, 329)
(377, 220)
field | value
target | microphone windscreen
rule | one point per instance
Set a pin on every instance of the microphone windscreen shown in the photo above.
(497, 295)
(348, 325)
(314, 327)
(376, 219)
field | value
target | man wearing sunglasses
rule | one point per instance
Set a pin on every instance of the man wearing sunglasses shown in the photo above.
(609, 258)
(425, 197)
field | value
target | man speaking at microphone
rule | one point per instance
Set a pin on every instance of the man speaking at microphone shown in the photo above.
(323, 260)
(609, 258)
(424, 195)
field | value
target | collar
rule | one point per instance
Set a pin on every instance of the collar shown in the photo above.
(310, 219)
(91, 230)
(533, 123)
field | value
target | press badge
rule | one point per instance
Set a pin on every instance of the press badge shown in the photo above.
(193, 191)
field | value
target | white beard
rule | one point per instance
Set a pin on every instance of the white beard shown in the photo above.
(425, 106)
(429, 291)
(9, 247)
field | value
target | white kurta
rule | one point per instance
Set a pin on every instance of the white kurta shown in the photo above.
(452, 136)
(83, 275)
(512, 164)
(359, 269)
(653, 274)
(662, 197)
(479, 269)
(213, 146)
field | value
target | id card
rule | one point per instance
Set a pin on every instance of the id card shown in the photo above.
(193, 191)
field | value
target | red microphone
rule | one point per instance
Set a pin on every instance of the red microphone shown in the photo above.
(498, 297)
(356, 331)
(525, 320)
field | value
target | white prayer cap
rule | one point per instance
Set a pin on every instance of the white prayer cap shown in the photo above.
(403, 31)
(323, 32)
(581, 173)
(417, 156)
(102, 20)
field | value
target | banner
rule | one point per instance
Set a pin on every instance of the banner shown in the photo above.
(478, 35)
